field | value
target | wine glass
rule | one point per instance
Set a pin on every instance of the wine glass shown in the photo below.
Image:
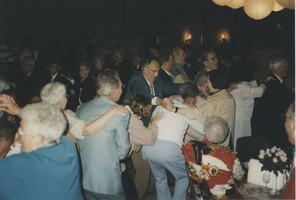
(266, 179)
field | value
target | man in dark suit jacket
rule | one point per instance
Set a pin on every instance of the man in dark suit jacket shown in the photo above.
(266, 120)
(55, 75)
(137, 63)
(30, 80)
(167, 61)
(148, 83)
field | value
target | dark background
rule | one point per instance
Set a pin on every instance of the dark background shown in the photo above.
(131, 24)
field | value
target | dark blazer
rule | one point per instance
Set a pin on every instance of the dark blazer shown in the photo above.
(138, 85)
(167, 78)
(86, 89)
(62, 80)
(266, 120)
(164, 76)
(27, 84)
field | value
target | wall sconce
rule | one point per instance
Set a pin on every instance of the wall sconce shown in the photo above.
(188, 40)
(223, 39)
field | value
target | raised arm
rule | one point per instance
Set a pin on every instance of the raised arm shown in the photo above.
(99, 123)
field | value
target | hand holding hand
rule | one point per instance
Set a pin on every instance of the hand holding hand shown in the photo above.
(168, 104)
(156, 119)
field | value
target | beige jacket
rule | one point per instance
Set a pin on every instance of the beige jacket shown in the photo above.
(220, 104)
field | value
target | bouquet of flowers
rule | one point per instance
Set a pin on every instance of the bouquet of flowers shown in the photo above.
(273, 159)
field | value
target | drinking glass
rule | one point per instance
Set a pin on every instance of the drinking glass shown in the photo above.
(266, 179)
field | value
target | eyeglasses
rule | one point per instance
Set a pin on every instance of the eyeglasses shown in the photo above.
(284, 117)
(153, 71)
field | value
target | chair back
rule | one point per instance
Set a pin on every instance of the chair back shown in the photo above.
(249, 147)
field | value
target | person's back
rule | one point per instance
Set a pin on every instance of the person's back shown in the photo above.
(173, 126)
(100, 153)
(46, 173)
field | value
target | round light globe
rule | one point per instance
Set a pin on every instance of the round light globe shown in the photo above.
(222, 2)
(258, 9)
(290, 4)
(235, 4)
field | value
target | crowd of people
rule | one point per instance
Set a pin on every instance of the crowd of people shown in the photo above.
(173, 115)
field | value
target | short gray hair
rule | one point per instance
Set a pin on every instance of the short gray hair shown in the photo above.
(216, 129)
(107, 81)
(138, 58)
(46, 120)
(175, 51)
(276, 63)
(52, 93)
(177, 98)
(32, 60)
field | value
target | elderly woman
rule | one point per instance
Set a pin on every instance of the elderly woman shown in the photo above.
(55, 93)
(219, 102)
(84, 85)
(48, 166)
(99, 66)
(244, 96)
(215, 164)
(140, 106)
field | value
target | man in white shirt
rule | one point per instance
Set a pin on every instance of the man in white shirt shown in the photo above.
(166, 152)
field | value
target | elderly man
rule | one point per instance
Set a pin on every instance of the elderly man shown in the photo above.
(31, 79)
(166, 152)
(167, 61)
(137, 63)
(100, 153)
(178, 74)
(149, 84)
(210, 62)
(266, 120)
(290, 128)
(54, 76)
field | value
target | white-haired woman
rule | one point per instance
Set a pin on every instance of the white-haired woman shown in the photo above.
(55, 93)
(209, 160)
(48, 166)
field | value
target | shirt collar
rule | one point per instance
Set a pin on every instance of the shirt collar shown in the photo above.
(281, 80)
(178, 64)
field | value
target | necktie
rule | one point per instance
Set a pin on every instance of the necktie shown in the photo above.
(151, 88)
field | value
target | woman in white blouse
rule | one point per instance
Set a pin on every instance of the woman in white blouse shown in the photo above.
(244, 95)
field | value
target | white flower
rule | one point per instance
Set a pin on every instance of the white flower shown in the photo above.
(269, 154)
(279, 149)
(273, 149)
(262, 151)
(275, 160)
(261, 156)
(277, 154)
(267, 150)
(283, 158)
